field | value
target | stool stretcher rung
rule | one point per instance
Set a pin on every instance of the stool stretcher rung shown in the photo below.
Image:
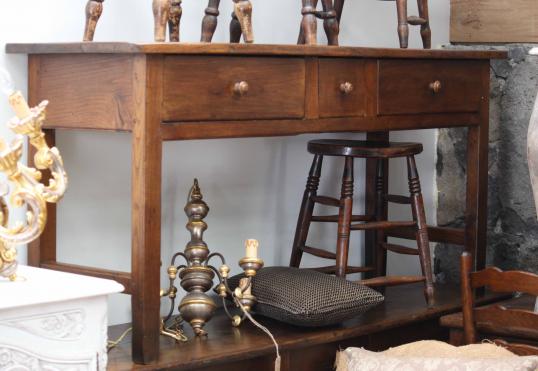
(334, 218)
(381, 225)
(349, 269)
(397, 199)
(415, 21)
(391, 280)
(399, 249)
(326, 200)
(318, 252)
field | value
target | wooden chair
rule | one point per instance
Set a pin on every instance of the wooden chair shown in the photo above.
(423, 20)
(170, 11)
(494, 317)
(382, 152)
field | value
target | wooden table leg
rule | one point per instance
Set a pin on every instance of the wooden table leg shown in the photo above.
(94, 9)
(477, 182)
(371, 236)
(209, 23)
(174, 20)
(146, 209)
(161, 13)
(243, 13)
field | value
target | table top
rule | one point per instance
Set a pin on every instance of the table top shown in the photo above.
(248, 49)
(39, 286)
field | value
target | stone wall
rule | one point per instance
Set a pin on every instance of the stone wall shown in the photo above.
(512, 222)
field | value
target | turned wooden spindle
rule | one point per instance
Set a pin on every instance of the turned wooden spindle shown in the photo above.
(174, 20)
(94, 9)
(161, 13)
(308, 32)
(209, 24)
(243, 12)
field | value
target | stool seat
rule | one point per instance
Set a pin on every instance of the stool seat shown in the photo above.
(362, 148)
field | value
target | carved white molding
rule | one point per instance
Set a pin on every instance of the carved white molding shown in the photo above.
(65, 326)
(13, 359)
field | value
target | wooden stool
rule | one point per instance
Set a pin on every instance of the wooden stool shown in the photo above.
(404, 21)
(308, 31)
(381, 151)
(170, 11)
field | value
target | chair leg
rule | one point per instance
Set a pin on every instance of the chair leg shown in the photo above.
(305, 213)
(243, 12)
(174, 20)
(330, 24)
(344, 218)
(308, 34)
(419, 216)
(381, 215)
(94, 9)
(425, 32)
(161, 14)
(403, 26)
(338, 8)
(235, 29)
(209, 23)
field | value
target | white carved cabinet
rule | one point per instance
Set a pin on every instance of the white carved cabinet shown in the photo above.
(54, 321)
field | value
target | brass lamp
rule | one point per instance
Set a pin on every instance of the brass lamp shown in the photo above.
(26, 188)
(197, 275)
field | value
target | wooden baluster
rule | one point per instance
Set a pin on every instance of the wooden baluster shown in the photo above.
(330, 24)
(161, 13)
(403, 26)
(309, 26)
(344, 218)
(209, 24)
(94, 9)
(423, 242)
(425, 32)
(174, 20)
(243, 12)
(235, 29)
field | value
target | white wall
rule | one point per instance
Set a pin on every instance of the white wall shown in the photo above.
(253, 186)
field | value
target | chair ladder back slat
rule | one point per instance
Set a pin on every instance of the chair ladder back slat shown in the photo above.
(519, 321)
(509, 281)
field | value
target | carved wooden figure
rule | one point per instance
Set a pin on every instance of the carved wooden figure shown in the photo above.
(308, 33)
(241, 23)
(94, 9)
(161, 13)
(174, 20)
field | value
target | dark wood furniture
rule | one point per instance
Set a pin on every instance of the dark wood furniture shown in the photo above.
(402, 318)
(238, 90)
(381, 152)
(308, 31)
(454, 323)
(495, 317)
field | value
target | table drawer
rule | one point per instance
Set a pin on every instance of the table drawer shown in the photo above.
(429, 86)
(341, 87)
(232, 88)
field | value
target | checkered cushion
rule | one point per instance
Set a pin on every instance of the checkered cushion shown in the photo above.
(308, 298)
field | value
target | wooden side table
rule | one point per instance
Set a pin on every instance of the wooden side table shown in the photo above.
(164, 92)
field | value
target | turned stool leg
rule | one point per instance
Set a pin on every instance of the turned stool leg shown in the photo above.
(425, 31)
(209, 24)
(235, 29)
(419, 216)
(403, 26)
(243, 13)
(309, 26)
(305, 213)
(174, 20)
(344, 218)
(330, 23)
(94, 9)
(338, 7)
(161, 13)
(381, 215)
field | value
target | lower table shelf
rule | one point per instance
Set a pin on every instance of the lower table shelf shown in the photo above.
(402, 318)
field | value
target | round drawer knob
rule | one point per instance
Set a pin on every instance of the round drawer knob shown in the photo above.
(436, 86)
(240, 88)
(346, 87)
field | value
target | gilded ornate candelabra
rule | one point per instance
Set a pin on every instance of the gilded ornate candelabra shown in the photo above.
(26, 188)
(197, 275)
